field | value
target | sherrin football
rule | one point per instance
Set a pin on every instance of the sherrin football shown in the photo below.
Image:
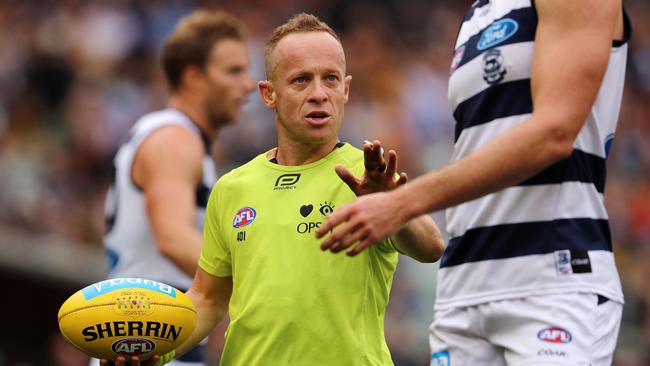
(128, 317)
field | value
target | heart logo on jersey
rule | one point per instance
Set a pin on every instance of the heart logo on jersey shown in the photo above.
(305, 210)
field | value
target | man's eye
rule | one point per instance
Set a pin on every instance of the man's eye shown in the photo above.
(331, 78)
(300, 80)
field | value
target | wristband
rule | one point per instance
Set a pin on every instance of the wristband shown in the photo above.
(166, 358)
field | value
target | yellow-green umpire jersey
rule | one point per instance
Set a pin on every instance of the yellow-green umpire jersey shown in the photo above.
(293, 304)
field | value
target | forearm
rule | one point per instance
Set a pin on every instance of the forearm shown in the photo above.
(579, 33)
(208, 314)
(420, 239)
(182, 247)
(516, 155)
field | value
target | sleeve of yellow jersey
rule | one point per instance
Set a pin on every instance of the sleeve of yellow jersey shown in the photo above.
(215, 254)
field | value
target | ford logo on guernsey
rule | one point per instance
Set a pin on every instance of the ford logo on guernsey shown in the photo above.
(244, 216)
(554, 335)
(497, 32)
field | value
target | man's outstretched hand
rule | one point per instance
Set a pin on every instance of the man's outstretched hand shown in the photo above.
(370, 218)
(378, 176)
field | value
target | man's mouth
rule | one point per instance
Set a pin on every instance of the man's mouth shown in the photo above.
(318, 117)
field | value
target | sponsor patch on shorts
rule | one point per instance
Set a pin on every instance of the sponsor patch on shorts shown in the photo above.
(441, 358)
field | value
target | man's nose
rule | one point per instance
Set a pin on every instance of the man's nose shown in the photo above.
(317, 92)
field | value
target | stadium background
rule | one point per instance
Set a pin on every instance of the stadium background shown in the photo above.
(75, 74)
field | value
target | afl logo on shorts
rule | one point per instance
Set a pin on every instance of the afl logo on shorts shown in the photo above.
(554, 335)
(244, 217)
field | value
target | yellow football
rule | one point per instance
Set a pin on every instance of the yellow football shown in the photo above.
(127, 317)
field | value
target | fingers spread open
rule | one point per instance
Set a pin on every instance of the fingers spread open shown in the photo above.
(360, 247)
(373, 157)
(336, 236)
(333, 220)
(392, 164)
(403, 178)
(347, 177)
(354, 236)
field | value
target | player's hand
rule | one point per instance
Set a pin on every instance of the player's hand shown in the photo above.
(366, 221)
(135, 361)
(379, 176)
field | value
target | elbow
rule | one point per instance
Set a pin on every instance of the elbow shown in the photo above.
(428, 259)
(165, 247)
(437, 251)
(560, 137)
(433, 254)
(560, 149)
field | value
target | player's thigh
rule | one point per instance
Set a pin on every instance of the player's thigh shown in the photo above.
(557, 329)
(455, 338)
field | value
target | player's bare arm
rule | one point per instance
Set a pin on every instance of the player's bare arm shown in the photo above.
(168, 169)
(420, 238)
(210, 295)
(572, 48)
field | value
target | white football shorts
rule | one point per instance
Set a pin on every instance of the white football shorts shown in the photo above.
(557, 329)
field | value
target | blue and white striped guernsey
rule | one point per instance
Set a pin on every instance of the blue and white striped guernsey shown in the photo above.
(129, 240)
(550, 233)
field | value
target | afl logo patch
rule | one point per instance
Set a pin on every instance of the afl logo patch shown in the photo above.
(496, 33)
(554, 335)
(244, 217)
(458, 57)
(133, 346)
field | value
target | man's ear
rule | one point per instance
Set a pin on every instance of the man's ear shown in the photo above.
(191, 76)
(267, 93)
(346, 83)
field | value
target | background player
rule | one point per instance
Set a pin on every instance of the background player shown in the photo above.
(163, 173)
(289, 303)
(529, 275)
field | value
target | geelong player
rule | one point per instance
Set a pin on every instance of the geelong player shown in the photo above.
(163, 173)
(289, 303)
(528, 276)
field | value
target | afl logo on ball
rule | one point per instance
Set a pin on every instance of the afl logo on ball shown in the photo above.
(244, 216)
(133, 346)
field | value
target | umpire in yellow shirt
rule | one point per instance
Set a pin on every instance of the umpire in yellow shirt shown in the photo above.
(289, 302)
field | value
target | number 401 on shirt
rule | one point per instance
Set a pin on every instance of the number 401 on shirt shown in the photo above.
(241, 236)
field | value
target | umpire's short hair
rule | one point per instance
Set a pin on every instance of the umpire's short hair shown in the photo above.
(298, 23)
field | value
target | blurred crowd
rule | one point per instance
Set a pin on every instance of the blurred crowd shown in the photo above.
(75, 74)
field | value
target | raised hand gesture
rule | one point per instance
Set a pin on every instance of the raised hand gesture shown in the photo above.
(378, 176)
